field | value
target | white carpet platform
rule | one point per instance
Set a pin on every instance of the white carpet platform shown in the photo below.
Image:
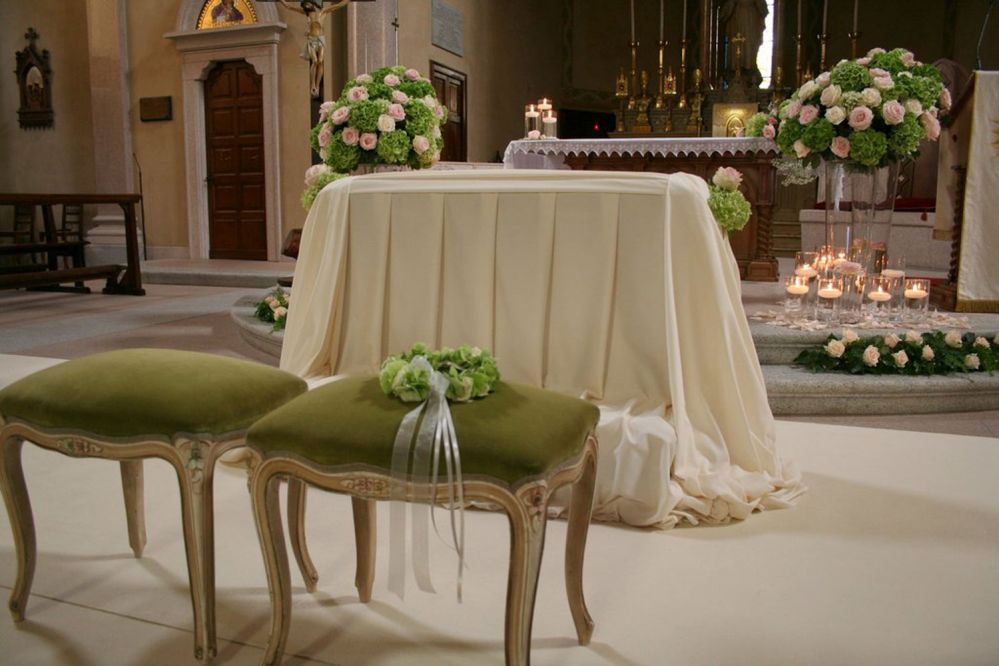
(892, 557)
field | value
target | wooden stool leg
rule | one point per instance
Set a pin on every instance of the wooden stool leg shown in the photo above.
(135, 514)
(296, 532)
(15, 496)
(365, 533)
(194, 503)
(267, 513)
(580, 510)
(527, 544)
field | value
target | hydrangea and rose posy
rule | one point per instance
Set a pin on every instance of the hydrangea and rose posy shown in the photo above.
(727, 203)
(470, 371)
(274, 309)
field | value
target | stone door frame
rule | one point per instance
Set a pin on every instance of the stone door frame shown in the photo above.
(200, 50)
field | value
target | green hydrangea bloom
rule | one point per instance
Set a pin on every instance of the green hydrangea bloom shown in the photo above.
(904, 138)
(868, 147)
(730, 208)
(310, 193)
(364, 115)
(756, 123)
(420, 120)
(850, 76)
(792, 131)
(416, 88)
(393, 147)
(890, 61)
(314, 137)
(926, 90)
(819, 135)
(851, 100)
(927, 71)
(340, 156)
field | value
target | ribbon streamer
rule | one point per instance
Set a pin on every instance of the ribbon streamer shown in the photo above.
(434, 436)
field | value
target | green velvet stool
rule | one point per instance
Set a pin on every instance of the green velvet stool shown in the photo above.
(184, 407)
(517, 446)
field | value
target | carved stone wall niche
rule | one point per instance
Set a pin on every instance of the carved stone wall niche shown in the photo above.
(34, 81)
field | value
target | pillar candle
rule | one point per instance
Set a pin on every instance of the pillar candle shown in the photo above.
(632, 21)
(855, 14)
(825, 15)
(662, 19)
(799, 17)
(684, 20)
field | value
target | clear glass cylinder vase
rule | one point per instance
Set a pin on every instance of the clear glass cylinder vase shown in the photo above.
(859, 206)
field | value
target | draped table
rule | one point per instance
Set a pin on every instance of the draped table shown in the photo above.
(615, 287)
(753, 246)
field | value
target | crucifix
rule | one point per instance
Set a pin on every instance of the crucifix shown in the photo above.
(315, 37)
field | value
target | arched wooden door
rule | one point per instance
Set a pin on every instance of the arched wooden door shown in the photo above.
(234, 130)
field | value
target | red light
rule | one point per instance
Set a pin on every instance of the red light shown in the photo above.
(596, 127)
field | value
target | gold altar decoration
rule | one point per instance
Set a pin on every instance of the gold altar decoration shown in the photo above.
(225, 14)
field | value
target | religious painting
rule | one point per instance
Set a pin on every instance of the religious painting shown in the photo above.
(34, 79)
(226, 13)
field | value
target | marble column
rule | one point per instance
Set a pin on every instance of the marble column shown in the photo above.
(371, 36)
(107, 30)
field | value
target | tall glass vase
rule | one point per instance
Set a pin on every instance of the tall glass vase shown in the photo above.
(859, 207)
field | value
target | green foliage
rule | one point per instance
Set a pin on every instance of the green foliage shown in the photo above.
(868, 147)
(471, 373)
(730, 208)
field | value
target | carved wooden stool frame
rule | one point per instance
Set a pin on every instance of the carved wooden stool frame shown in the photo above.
(192, 457)
(526, 506)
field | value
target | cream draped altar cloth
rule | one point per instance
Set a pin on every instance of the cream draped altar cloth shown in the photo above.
(617, 287)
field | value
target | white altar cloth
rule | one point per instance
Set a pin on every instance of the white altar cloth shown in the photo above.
(615, 287)
(551, 153)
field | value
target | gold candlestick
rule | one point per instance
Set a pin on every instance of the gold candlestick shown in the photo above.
(823, 40)
(854, 38)
(621, 93)
(777, 84)
(661, 78)
(633, 88)
(798, 39)
(683, 75)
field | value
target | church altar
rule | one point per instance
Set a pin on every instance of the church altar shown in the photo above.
(614, 287)
(701, 156)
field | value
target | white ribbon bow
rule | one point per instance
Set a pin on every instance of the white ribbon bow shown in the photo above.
(418, 461)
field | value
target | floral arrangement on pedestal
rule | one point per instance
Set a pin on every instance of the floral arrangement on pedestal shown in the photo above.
(390, 116)
(869, 112)
(933, 353)
(727, 203)
(273, 309)
(471, 373)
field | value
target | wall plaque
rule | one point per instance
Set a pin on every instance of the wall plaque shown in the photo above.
(448, 30)
(152, 109)
(34, 80)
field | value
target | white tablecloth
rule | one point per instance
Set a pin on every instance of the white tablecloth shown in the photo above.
(616, 287)
(551, 153)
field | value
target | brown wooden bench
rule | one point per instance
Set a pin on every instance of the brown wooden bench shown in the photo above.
(49, 278)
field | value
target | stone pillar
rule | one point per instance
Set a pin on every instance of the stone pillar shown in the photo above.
(371, 36)
(107, 30)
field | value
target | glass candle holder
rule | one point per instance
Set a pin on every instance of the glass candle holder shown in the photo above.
(879, 298)
(917, 298)
(549, 124)
(795, 294)
(852, 281)
(894, 270)
(532, 121)
(805, 264)
(829, 294)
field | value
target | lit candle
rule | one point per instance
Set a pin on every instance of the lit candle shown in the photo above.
(633, 21)
(916, 293)
(825, 15)
(856, 10)
(531, 112)
(829, 290)
(549, 117)
(544, 104)
(549, 122)
(805, 271)
(893, 273)
(799, 17)
(684, 20)
(797, 289)
(879, 296)
(662, 19)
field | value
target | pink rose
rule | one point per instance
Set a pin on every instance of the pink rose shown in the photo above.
(793, 109)
(325, 136)
(875, 51)
(933, 112)
(324, 110)
(800, 149)
(931, 125)
(412, 74)
(830, 96)
(945, 100)
(727, 178)
(314, 173)
(771, 120)
(386, 123)
(861, 117)
(397, 112)
(808, 113)
(364, 78)
(863, 61)
(893, 112)
(768, 132)
(421, 144)
(350, 136)
(399, 96)
(908, 59)
(341, 115)
(357, 93)
(877, 71)
(368, 140)
(823, 79)
(391, 80)
(840, 147)
(883, 82)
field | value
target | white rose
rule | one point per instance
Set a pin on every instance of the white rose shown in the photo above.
(871, 356)
(386, 123)
(928, 353)
(891, 340)
(280, 312)
(849, 335)
(981, 342)
(835, 114)
(913, 336)
(953, 338)
(871, 96)
(831, 95)
(971, 361)
(835, 348)
(823, 79)
(913, 106)
(808, 89)
(901, 358)
(883, 83)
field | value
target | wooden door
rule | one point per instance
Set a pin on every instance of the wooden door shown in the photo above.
(234, 133)
(449, 85)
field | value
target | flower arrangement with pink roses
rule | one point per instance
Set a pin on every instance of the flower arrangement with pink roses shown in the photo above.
(388, 116)
(870, 112)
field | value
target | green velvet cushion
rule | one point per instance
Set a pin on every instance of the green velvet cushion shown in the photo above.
(517, 432)
(137, 392)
